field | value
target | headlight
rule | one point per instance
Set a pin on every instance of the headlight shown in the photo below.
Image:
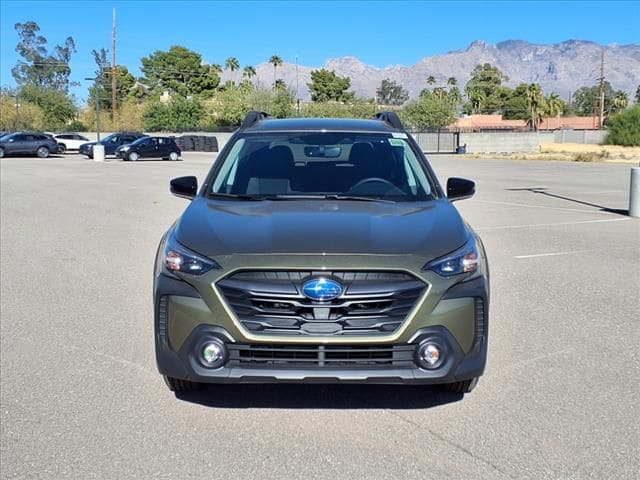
(178, 258)
(124, 148)
(463, 260)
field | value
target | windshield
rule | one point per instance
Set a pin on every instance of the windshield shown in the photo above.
(295, 164)
(111, 138)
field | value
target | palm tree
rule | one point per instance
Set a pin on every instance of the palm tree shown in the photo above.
(216, 68)
(248, 72)
(280, 85)
(276, 61)
(232, 64)
(553, 106)
(620, 101)
(535, 101)
(452, 82)
(431, 80)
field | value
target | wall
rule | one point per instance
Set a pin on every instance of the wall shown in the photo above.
(477, 142)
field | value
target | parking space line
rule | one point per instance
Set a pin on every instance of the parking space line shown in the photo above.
(514, 204)
(532, 225)
(552, 254)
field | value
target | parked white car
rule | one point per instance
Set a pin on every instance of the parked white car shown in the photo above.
(71, 141)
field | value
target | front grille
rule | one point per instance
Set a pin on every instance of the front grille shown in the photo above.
(320, 356)
(271, 302)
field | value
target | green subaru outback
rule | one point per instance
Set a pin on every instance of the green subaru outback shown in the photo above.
(321, 250)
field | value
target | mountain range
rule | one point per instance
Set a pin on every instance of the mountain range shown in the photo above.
(560, 67)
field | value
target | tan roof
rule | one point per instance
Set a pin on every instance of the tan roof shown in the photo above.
(487, 122)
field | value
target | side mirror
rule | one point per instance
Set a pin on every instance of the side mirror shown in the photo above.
(184, 187)
(460, 188)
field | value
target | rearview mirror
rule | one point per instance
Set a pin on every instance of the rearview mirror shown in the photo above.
(184, 187)
(460, 188)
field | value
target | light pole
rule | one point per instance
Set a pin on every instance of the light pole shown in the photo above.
(96, 94)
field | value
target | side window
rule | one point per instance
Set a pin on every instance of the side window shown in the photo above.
(80, 137)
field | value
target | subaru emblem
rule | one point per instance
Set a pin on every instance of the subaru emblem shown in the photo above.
(321, 289)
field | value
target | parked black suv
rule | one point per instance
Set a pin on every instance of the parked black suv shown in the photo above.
(111, 143)
(150, 147)
(28, 143)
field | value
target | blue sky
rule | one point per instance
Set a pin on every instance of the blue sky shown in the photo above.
(379, 33)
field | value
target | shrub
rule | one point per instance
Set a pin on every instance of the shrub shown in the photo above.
(624, 128)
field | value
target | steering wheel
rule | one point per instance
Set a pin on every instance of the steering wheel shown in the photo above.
(374, 180)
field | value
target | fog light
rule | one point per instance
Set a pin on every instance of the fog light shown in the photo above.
(430, 355)
(213, 354)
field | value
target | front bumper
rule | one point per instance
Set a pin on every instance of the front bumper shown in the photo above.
(184, 320)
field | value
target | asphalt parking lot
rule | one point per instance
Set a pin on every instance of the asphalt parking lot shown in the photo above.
(80, 397)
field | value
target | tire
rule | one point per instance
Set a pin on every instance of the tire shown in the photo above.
(464, 386)
(62, 148)
(173, 156)
(42, 152)
(178, 385)
(133, 157)
(1, 152)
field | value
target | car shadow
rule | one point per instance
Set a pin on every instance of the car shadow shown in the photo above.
(543, 191)
(310, 396)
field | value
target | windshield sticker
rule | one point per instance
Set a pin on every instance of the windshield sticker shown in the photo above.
(398, 135)
(396, 142)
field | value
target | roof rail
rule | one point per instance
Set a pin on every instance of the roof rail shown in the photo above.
(390, 118)
(253, 117)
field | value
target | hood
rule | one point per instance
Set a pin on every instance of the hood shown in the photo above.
(214, 227)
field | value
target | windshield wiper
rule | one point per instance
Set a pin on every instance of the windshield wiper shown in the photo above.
(325, 196)
(293, 196)
(358, 199)
(235, 196)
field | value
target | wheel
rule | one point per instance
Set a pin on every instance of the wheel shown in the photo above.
(178, 385)
(62, 148)
(133, 156)
(1, 152)
(42, 152)
(173, 156)
(464, 386)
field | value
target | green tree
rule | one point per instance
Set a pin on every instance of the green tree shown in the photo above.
(248, 72)
(391, 93)
(232, 64)
(178, 114)
(180, 71)
(482, 88)
(40, 67)
(326, 86)
(451, 81)
(431, 80)
(429, 111)
(553, 105)
(535, 103)
(623, 128)
(57, 106)
(638, 94)
(620, 101)
(585, 99)
(125, 82)
(276, 61)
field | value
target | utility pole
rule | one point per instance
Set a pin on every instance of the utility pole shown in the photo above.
(601, 92)
(113, 71)
(17, 111)
(297, 89)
